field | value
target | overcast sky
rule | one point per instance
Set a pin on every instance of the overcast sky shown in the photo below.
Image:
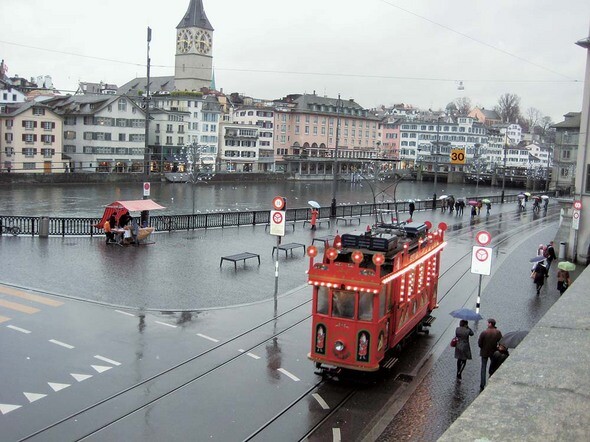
(375, 51)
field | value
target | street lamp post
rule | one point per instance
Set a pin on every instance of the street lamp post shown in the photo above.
(335, 164)
(504, 170)
(146, 153)
(436, 163)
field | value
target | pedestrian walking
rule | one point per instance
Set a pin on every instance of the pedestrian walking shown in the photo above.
(549, 255)
(487, 342)
(488, 208)
(479, 206)
(462, 349)
(461, 207)
(451, 204)
(539, 275)
(314, 218)
(563, 281)
(411, 208)
(457, 207)
(473, 211)
(498, 358)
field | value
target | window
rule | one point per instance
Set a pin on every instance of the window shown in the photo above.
(29, 125)
(47, 139)
(9, 124)
(122, 105)
(29, 152)
(8, 137)
(48, 125)
(366, 306)
(38, 111)
(343, 304)
(121, 137)
(28, 166)
(29, 138)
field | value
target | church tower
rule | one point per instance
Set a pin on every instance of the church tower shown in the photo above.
(194, 43)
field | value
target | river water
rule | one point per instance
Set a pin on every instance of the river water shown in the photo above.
(88, 200)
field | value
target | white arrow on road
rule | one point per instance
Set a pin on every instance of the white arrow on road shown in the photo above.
(32, 397)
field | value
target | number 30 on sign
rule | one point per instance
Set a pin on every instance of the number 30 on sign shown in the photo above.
(458, 156)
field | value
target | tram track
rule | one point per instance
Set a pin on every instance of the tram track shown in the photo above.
(291, 324)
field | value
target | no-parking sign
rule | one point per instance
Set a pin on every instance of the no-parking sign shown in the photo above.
(146, 189)
(481, 260)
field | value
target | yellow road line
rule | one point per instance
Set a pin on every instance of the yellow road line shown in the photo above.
(30, 296)
(4, 319)
(18, 307)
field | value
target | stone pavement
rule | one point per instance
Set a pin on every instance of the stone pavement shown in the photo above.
(541, 390)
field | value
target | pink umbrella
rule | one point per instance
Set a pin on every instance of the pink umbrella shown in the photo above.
(473, 203)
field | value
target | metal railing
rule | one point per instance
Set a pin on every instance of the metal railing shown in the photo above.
(167, 223)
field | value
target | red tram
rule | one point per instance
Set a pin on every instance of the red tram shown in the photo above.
(371, 290)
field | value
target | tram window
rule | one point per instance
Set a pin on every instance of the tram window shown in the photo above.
(343, 304)
(382, 302)
(322, 306)
(366, 307)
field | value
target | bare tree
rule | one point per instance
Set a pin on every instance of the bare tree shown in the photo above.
(547, 132)
(463, 105)
(533, 118)
(509, 108)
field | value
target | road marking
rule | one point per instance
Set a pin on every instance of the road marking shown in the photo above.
(110, 361)
(292, 376)
(30, 296)
(321, 401)
(167, 325)
(7, 408)
(18, 307)
(336, 437)
(100, 368)
(252, 355)
(125, 313)
(4, 319)
(18, 329)
(80, 377)
(32, 397)
(56, 386)
(63, 344)
(207, 337)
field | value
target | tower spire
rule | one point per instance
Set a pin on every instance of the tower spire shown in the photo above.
(195, 17)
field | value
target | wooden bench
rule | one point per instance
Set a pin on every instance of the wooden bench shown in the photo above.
(288, 247)
(348, 219)
(325, 239)
(239, 257)
(318, 222)
(287, 224)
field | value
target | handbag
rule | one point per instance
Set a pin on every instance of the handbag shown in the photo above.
(533, 274)
(454, 341)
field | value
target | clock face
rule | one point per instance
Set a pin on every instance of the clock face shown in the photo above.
(184, 41)
(202, 42)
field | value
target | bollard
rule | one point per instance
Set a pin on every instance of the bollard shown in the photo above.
(562, 251)
(44, 227)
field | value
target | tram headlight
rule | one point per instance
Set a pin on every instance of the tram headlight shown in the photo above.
(339, 346)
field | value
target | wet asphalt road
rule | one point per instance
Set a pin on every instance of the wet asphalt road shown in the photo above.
(243, 369)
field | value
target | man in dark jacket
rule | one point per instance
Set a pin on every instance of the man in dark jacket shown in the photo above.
(549, 255)
(498, 358)
(488, 342)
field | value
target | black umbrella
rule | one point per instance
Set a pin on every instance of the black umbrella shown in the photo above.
(538, 258)
(512, 339)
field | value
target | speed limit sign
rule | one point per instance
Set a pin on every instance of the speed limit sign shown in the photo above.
(458, 156)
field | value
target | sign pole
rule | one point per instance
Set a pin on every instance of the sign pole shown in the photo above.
(277, 228)
(478, 295)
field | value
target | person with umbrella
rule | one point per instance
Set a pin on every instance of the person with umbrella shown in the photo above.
(487, 342)
(539, 275)
(498, 358)
(462, 349)
(563, 276)
(314, 213)
(550, 255)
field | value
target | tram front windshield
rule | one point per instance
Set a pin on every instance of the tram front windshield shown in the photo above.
(343, 304)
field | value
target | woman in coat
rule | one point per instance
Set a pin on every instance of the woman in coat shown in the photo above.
(540, 273)
(463, 349)
(563, 280)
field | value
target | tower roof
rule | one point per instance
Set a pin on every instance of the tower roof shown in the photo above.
(195, 17)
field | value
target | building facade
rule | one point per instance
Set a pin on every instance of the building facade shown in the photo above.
(567, 137)
(31, 139)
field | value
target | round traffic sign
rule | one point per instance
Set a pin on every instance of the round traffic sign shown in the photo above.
(277, 217)
(278, 202)
(481, 255)
(578, 205)
(146, 186)
(483, 238)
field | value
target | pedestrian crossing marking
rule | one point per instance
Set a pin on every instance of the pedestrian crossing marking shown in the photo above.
(18, 307)
(29, 296)
(3, 319)
(110, 361)
(18, 329)
(32, 397)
